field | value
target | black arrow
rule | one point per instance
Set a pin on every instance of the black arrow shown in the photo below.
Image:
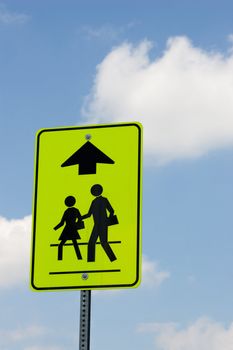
(87, 157)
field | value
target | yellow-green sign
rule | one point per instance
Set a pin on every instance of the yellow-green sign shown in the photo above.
(87, 207)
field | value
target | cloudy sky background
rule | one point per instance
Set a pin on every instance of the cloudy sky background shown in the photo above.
(168, 65)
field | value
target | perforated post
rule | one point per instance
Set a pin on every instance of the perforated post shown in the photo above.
(85, 320)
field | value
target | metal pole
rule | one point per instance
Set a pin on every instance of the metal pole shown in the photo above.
(85, 320)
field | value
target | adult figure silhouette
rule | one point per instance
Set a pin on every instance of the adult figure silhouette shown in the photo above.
(98, 209)
(70, 219)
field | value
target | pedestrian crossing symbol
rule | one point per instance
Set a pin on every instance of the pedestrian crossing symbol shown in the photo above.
(87, 208)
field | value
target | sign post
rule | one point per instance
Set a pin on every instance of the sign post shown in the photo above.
(85, 320)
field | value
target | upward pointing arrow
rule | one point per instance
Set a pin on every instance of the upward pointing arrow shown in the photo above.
(87, 157)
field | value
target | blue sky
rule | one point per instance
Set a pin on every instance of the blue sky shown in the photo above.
(168, 65)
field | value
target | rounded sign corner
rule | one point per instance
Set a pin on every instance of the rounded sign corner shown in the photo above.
(34, 288)
(138, 125)
(40, 132)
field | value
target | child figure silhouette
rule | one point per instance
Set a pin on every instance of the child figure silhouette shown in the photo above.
(70, 219)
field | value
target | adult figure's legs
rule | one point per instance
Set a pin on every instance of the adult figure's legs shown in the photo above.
(104, 242)
(92, 244)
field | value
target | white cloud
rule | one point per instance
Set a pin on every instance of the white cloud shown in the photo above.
(15, 237)
(204, 334)
(20, 334)
(104, 33)
(152, 276)
(230, 38)
(9, 17)
(25, 335)
(107, 32)
(183, 98)
(44, 348)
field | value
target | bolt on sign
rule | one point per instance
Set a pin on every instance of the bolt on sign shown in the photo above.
(87, 208)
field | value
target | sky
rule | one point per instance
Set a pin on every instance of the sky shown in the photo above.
(168, 65)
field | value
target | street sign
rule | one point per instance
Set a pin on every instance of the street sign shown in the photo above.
(87, 208)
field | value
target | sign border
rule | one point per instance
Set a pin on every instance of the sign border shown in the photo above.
(89, 287)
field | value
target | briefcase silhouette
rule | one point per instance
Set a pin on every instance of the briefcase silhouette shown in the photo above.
(112, 220)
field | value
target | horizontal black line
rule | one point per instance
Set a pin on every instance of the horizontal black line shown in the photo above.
(84, 243)
(85, 271)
